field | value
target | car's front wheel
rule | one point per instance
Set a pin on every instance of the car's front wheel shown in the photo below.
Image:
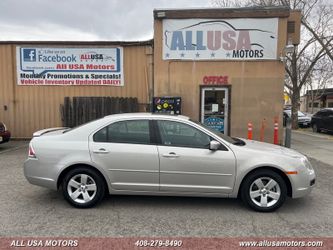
(264, 190)
(315, 128)
(83, 187)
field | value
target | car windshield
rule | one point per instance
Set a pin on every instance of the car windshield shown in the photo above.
(219, 134)
(300, 113)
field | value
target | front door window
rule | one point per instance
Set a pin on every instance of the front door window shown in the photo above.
(187, 164)
(182, 135)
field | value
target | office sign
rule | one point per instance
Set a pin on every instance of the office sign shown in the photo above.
(215, 80)
(69, 66)
(220, 39)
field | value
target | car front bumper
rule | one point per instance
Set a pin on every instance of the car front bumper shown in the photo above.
(304, 123)
(303, 183)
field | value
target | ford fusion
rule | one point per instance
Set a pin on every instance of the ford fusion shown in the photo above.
(149, 154)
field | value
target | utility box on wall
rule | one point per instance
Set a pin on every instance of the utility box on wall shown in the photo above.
(167, 105)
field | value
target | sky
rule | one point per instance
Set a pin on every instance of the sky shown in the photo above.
(83, 20)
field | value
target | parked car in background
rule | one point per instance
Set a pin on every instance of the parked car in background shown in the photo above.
(304, 120)
(4, 133)
(322, 120)
(150, 154)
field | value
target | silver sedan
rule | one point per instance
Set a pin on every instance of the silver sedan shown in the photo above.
(149, 154)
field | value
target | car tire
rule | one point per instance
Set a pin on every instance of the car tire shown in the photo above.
(315, 128)
(264, 190)
(83, 187)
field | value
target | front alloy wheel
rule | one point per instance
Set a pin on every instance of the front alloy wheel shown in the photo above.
(264, 191)
(83, 187)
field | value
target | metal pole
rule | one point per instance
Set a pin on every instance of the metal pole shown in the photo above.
(287, 141)
(276, 131)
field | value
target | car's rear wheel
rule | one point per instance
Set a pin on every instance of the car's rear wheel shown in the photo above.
(83, 187)
(264, 190)
(315, 128)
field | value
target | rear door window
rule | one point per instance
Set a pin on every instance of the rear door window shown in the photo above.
(132, 131)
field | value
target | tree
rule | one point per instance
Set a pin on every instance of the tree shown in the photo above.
(316, 43)
(323, 34)
(322, 76)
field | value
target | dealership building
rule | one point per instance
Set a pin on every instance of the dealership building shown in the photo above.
(222, 67)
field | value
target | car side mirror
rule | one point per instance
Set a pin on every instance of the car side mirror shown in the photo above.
(214, 145)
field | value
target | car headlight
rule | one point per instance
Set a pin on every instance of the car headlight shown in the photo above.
(307, 163)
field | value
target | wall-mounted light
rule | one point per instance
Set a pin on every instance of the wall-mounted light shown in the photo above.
(288, 49)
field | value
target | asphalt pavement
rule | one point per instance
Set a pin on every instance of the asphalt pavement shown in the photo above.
(27, 210)
(315, 145)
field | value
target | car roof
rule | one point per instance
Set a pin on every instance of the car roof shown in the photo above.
(325, 109)
(289, 111)
(91, 126)
(146, 115)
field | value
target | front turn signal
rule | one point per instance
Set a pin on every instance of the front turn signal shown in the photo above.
(291, 172)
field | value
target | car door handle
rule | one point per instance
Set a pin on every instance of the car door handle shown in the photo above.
(170, 155)
(101, 151)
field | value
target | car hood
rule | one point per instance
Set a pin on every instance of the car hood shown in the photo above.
(270, 148)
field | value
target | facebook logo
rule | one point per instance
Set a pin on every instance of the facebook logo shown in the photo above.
(29, 55)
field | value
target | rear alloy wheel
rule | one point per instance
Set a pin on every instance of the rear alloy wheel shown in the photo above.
(315, 128)
(83, 187)
(264, 191)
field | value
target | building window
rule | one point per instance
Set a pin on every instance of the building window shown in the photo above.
(291, 27)
(315, 104)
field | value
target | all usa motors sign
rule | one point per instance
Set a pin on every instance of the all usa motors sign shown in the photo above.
(222, 39)
(69, 66)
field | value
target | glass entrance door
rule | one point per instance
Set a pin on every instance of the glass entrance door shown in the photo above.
(214, 108)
